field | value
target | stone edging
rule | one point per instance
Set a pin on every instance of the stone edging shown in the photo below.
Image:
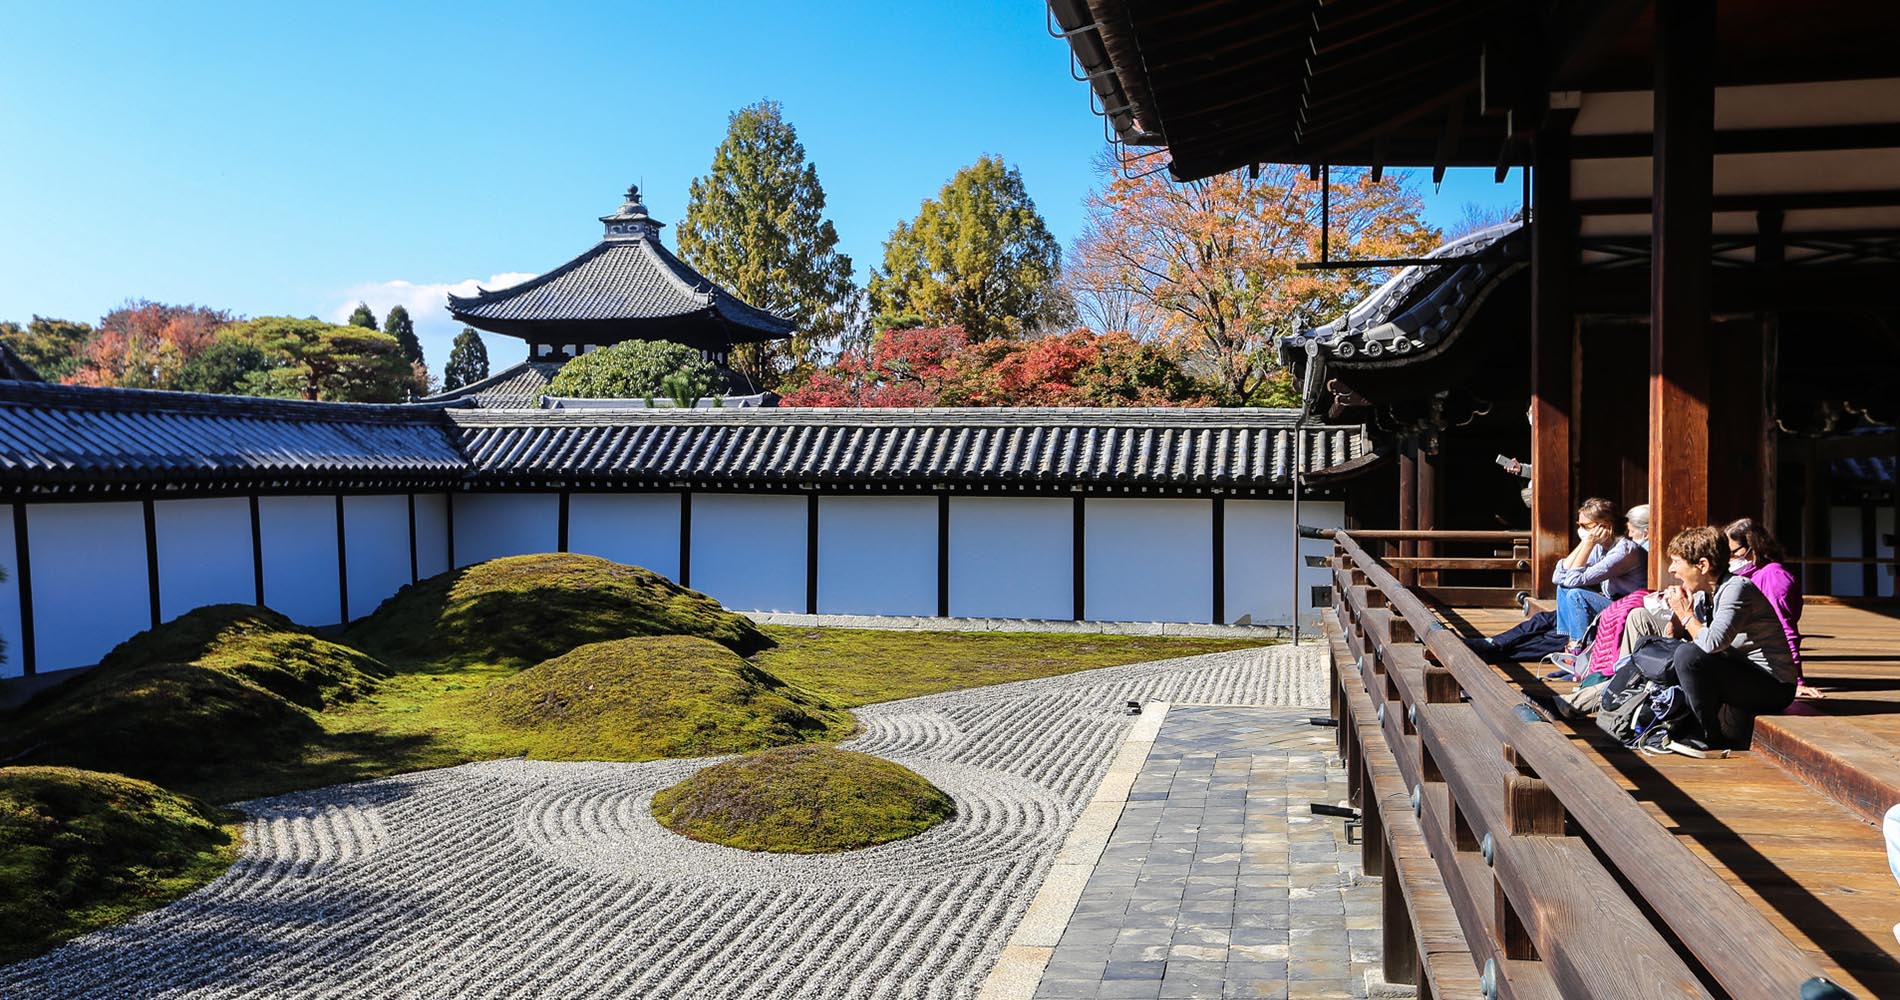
(925, 624)
(1019, 970)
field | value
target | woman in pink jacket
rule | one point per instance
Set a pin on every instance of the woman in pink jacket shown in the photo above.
(1755, 554)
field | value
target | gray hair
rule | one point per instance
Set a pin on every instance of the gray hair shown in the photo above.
(1638, 518)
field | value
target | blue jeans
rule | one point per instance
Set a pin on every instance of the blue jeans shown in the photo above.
(1575, 607)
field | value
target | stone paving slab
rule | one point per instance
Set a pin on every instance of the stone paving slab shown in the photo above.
(1217, 881)
(1063, 625)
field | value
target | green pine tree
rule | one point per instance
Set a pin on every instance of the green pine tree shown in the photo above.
(363, 317)
(979, 256)
(398, 325)
(468, 361)
(756, 225)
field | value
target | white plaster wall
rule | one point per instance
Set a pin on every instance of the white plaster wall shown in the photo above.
(14, 663)
(90, 590)
(492, 525)
(640, 529)
(1148, 560)
(749, 551)
(300, 571)
(1844, 540)
(1012, 557)
(1258, 558)
(877, 555)
(204, 553)
(432, 534)
(376, 547)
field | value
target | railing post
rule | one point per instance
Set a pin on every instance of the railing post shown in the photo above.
(1398, 943)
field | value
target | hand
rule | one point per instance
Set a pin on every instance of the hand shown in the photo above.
(1515, 468)
(1602, 535)
(1679, 603)
(1802, 690)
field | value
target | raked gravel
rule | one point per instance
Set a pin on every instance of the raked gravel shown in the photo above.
(524, 878)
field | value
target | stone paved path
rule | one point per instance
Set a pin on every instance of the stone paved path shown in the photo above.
(1217, 882)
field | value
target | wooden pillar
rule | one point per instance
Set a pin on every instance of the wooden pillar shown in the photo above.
(1770, 254)
(1427, 518)
(1817, 498)
(1408, 504)
(1679, 272)
(1553, 322)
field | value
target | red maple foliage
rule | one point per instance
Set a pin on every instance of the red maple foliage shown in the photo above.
(143, 344)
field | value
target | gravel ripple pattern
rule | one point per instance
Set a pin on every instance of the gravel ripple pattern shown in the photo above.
(524, 878)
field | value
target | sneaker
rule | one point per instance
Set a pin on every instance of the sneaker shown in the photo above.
(1691, 746)
(1566, 664)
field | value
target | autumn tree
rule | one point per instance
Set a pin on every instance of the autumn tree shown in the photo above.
(756, 225)
(1209, 264)
(52, 346)
(325, 361)
(363, 316)
(978, 256)
(468, 361)
(143, 345)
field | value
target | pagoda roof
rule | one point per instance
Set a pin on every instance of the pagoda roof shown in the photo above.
(626, 286)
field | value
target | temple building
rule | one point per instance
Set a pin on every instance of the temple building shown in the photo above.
(628, 286)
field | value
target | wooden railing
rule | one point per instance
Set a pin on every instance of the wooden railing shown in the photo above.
(1561, 883)
(1485, 569)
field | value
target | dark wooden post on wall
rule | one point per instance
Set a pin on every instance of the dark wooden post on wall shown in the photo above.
(1553, 320)
(1408, 504)
(1427, 473)
(1680, 228)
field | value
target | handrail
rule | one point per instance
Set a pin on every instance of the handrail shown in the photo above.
(1392, 535)
(1707, 916)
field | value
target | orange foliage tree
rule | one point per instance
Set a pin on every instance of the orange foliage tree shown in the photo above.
(1209, 264)
(143, 344)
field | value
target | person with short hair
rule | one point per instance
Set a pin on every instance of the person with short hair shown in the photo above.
(1601, 569)
(1737, 654)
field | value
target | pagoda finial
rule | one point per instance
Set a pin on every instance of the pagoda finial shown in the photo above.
(631, 221)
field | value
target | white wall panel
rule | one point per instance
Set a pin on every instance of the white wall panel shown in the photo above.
(14, 664)
(749, 551)
(300, 571)
(1844, 541)
(1258, 560)
(1012, 557)
(90, 589)
(640, 529)
(1148, 560)
(492, 525)
(375, 548)
(432, 534)
(877, 555)
(204, 554)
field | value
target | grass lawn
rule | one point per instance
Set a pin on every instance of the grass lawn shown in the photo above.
(854, 667)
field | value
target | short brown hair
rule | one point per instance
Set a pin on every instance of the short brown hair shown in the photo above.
(1701, 542)
(1599, 510)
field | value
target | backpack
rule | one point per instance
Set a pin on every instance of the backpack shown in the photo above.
(1625, 694)
(1655, 656)
(1663, 718)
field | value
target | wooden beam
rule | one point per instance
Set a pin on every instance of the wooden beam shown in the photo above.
(1770, 252)
(1553, 318)
(1786, 201)
(1803, 139)
(1679, 342)
(1448, 141)
(1408, 504)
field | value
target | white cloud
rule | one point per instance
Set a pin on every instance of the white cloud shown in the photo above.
(428, 306)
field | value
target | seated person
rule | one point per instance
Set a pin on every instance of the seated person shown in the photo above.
(1755, 554)
(1737, 654)
(1601, 569)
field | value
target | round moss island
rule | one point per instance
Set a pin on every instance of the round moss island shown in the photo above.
(802, 800)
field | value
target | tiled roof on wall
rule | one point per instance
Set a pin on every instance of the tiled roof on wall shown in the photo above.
(1011, 449)
(75, 439)
(517, 387)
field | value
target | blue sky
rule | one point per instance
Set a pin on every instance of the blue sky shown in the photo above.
(290, 159)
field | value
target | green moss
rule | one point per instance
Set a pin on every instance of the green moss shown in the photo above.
(260, 646)
(80, 850)
(803, 800)
(646, 698)
(524, 609)
(859, 666)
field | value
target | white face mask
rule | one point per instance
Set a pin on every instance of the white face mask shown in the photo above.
(1644, 542)
(1583, 534)
(1738, 565)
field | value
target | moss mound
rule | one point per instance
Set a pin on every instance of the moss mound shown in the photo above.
(651, 697)
(80, 850)
(164, 722)
(524, 609)
(803, 800)
(259, 645)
